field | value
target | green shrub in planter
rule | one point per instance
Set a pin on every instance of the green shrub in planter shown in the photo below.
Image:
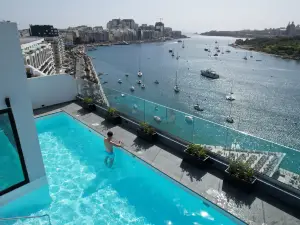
(241, 171)
(196, 150)
(146, 132)
(88, 103)
(196, 155)
(113, 116)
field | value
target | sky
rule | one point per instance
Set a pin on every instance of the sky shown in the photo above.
(185, 15)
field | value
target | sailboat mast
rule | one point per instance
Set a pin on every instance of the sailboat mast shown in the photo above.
(176, 79)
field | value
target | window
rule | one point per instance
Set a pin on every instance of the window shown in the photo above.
(13, 173)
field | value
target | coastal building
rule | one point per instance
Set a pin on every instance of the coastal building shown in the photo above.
(129, 23)
(176, 34)
(159, 26)
(167, 31)
(38, 54)
(68, 37)
(140, 34)
(98, 29)
(24, 33)
(291, 29)
(58, 48)
(43, 31)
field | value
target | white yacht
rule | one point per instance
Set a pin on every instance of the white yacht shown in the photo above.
(120, 81)
(140, 73)
(143, 86)
(198, 108)
(132, 88)
(139, 82)
(229, 119)
(210, 74)
(156, 82)
(230, 97)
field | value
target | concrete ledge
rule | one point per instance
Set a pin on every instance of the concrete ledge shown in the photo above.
(264, 185)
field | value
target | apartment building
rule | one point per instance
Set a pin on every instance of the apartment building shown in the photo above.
(38, 54)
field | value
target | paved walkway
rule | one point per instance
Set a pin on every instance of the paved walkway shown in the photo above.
(253, 209)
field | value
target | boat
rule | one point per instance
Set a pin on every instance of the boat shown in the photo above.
(143, 86)
(197, 107)
(126, 75)
(132, 88)
(251, 56)
(156, 82)
(183, 44)
(218, 50)
(139, 82)
(258, 60)
(216, 42)
(176, 87)
(245, 58)
(140, 74)
(179, 41)
(229, 119)
(120, 81)
(177, 57)
(210, 74)
(122, 43)
(216, 54)
(228, 51)
(206, 49)
(170, 50)
(230, 97)
(173, 54)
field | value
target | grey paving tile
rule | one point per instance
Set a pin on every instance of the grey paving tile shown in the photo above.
(168, 166)
(149, 154)
(273, 215)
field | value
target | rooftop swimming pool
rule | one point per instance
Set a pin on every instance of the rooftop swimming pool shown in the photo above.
(84, 191)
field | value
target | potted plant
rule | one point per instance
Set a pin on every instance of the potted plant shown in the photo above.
(240, 174)
(196, 154)
(113, 116)
(146, 132)
(88, 104)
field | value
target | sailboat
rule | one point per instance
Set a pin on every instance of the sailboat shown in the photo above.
(177, 57)
(176, 87)
(251, 56)
(140, 73)
(229, 119)
(245, 58)
(230, 96)
(183, 44)
(132, 88)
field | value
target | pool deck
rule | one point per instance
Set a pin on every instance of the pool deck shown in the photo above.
(251, 208)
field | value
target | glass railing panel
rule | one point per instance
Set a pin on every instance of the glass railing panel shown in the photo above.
(180, 124)
(209, 133)
(127, 104)
(11, 172)
(156, 115)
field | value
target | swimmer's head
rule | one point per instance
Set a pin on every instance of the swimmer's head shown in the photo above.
(109, 134)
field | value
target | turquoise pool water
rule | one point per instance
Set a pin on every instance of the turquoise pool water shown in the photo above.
(84, 191)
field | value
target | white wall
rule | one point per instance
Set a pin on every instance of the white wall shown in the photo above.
(51, 90)
(13, 84)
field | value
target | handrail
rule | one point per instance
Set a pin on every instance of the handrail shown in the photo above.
(26, 217)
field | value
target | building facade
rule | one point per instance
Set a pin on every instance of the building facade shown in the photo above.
(38, 53)
(58, 48)
(43, 31)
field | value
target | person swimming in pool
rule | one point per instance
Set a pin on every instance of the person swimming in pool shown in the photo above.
(109, 144)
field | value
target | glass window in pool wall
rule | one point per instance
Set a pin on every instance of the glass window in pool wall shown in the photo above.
(12, 171)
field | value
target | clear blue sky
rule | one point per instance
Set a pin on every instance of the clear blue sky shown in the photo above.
(186, 15)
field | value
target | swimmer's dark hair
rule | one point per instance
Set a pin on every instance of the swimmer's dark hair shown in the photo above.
(110, 134)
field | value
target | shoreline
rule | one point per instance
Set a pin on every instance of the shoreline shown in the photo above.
(251, 48)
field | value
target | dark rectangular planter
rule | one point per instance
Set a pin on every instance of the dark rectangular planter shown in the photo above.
(193, 160)
(148, 137)
(115, 119)
(90, 107)
(241, 184)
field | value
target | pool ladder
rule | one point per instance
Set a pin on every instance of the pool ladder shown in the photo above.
(26, 217)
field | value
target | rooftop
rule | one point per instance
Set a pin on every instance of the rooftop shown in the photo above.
(253, 208)
(26, 40)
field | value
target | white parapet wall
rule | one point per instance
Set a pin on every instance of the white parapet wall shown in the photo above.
(51, 90)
